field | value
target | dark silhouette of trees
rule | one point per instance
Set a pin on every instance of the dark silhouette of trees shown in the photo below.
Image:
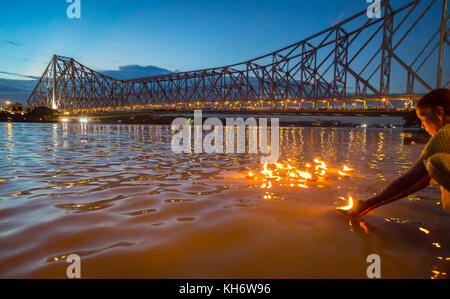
(42, 114)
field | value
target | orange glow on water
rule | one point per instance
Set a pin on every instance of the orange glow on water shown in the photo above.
(342, 173)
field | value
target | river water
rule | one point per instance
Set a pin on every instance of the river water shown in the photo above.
(117, 196)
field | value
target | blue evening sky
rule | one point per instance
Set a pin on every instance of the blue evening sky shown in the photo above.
(172, 34)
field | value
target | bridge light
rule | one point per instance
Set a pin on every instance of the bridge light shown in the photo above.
(83, 120)
(64, 120)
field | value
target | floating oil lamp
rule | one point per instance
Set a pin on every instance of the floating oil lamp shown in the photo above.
(348, 169)
(267, 196)
(305, 175)
(349, 206)
(320, 165)
(291, 175)
(437, 245)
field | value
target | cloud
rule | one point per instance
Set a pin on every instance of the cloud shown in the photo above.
(20, 75)
(12, 43)
(16, 90)
(338, 18)
(136, 71)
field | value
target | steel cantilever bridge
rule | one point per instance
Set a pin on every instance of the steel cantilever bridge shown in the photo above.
(361, 64)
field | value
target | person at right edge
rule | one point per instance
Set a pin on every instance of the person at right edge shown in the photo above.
(433, 166)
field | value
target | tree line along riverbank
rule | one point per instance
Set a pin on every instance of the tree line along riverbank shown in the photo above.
(46, 115)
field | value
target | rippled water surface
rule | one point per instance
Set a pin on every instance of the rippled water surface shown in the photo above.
(117, 196)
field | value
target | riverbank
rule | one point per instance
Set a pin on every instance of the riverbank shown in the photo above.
(167, 119)
(343, 119)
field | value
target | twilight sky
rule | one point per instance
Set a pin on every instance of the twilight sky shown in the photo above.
(172, 34)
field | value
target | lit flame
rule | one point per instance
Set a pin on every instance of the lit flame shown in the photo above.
(349, 206)
(290, 174)
(305, 175)
(321, 165)
(348, 169)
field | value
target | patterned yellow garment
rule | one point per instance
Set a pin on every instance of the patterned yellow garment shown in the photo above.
(437, 160)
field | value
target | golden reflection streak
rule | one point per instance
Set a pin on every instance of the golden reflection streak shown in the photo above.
(426, 231)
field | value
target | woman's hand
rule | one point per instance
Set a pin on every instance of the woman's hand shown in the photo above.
(359, 209)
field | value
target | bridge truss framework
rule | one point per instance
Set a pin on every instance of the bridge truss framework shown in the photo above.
(351, 65)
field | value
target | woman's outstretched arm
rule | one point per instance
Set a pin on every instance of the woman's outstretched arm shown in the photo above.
(414, 180)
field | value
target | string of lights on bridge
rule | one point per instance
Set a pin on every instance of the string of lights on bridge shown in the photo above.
(264, 106)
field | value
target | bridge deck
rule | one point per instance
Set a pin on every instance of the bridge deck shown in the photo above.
(361, 113)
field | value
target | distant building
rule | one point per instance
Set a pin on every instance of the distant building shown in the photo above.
(15, 108)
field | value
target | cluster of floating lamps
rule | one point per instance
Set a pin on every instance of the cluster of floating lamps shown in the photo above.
(290, 175)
